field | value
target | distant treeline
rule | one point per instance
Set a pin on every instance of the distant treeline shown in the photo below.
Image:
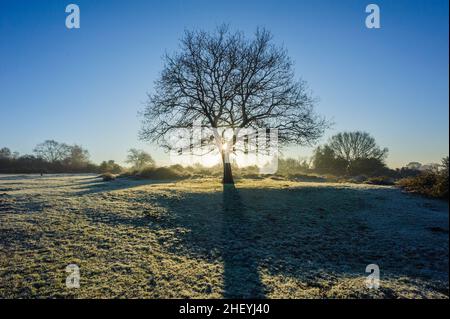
(53, 157)
(346, 154)
(347, 157)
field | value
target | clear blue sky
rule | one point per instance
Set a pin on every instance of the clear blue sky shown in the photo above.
(86, 86)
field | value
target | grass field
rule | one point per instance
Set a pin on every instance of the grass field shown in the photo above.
(192, 238)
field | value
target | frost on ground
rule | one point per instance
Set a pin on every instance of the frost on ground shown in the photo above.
(266, 238)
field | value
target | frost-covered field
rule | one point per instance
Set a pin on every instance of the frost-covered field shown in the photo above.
(275, 239)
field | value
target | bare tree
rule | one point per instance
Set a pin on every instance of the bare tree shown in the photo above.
(226, 81)
(414, 166)
(52, 151)
(352, 146)
(139, 158)
(77, 156)
(5, 153)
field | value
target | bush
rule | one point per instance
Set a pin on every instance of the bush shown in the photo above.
(355, 179)
(110, 167)
(160, 173)
(380, 180)
(251, 176)
(367, 166)
(306, 178)
(128, 173)
(429, 183)
(108, 177)
(277, 177)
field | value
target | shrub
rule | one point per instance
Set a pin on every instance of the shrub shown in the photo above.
(405, 172)
(246, 171)
(277, 178)
(128, 173)
(367, 166)
(177, 167)
(355, 179)
(429, 183)
(306, 178)
(160, 173)
(108, 177)
(252, 176)
(195, 176)
(380, 180)
(110, 167)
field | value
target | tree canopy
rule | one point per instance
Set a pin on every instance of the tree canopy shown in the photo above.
(351, 146)
(223, 80)
(139, 159)
(350, 153)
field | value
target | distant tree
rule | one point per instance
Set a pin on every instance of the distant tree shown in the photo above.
(292, 166)
(326, 162)
(351, 146)
(414, 165)
(5, 153)
(305, 165)
(224, 81)
(405, 172)
(350, 153)
(367, 166)
(433, 167)
(139, 158)
(77, 156)
(52, 151)
(110, 167)
(51, 157)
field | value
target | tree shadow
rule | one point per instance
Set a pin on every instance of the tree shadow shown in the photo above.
(241, 276)
(315, 235)
(97, 185)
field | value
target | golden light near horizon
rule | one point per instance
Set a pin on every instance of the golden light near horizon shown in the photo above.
(224, 146)
(252, 149)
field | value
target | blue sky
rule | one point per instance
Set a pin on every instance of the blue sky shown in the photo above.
(87, 85)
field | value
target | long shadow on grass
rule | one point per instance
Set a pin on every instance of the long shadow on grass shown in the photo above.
(241, 277)
(316, 235)
(96, 185)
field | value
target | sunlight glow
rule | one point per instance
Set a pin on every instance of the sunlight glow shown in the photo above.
(224, 146)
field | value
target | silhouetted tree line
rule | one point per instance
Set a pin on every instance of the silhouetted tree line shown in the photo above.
(345, 154)
(351, 154)
(357, 153)
(53, 157)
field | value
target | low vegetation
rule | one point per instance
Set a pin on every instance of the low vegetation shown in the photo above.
(381, 180)
(136, 238)
(159, 173)
(52, 157)
(106, 177)
(432, 183)
(348, 157)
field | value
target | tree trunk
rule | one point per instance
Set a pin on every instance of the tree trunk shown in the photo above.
(227, 174)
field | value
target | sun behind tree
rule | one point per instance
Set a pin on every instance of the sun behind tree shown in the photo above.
(225, 81)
